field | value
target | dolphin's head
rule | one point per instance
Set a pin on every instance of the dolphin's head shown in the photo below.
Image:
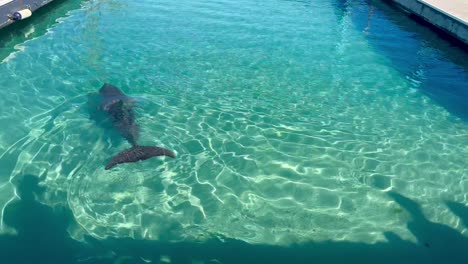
(109, 90)
(111, 95)
(107, 102)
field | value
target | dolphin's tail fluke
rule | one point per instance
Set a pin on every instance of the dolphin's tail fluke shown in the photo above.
(137, 153)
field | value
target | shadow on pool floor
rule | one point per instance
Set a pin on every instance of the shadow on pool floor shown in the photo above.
(42, 238)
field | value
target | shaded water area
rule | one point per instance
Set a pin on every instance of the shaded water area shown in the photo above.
(305, 132)
(42, 238)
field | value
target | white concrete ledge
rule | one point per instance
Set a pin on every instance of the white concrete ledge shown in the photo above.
(450, 16)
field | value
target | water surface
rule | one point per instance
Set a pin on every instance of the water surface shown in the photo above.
(290, 120)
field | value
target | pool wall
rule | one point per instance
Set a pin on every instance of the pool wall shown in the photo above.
(9, 7)
(440, 15)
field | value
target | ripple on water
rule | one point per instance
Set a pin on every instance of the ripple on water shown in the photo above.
(285, 130)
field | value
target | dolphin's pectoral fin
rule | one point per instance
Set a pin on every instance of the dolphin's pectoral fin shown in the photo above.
(138, 153)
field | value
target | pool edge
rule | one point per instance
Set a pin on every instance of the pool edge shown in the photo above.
(8, 8)
(436, 18)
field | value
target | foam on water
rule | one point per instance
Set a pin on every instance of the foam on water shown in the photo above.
(288, 126)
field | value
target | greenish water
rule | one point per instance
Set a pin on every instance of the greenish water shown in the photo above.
(290, 121)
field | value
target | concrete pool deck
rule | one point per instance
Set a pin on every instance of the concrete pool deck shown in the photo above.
(451, 16)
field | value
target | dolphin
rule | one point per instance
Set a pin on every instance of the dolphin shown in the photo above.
(119, 108)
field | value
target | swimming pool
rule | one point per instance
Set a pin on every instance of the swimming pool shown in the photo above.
(291, 120)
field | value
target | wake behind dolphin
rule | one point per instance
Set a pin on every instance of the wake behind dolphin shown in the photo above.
(119, 108)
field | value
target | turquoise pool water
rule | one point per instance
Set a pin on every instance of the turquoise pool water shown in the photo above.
(291, 120)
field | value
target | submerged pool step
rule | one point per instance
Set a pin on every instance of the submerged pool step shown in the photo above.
(14, 10)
